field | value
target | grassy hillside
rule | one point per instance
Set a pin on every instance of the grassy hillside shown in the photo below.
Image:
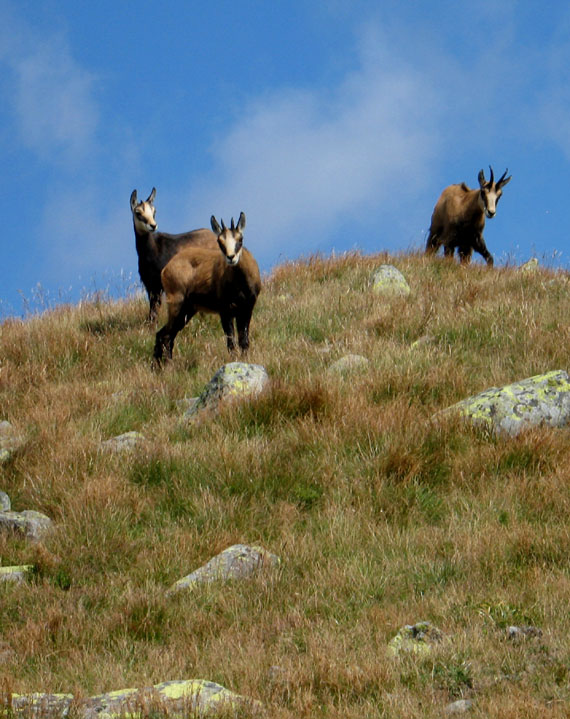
(382, 516)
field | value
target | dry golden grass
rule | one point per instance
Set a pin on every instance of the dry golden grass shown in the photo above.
(382, 515)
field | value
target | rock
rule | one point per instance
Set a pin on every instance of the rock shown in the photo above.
(422, 341)
(543, 399)
(7, 654)
(236, 562)
(524, 632)
(187, 403)
(31, 524)
(233, 380)
(388, 280)
(5, 504)
(16, 574)
(415, 639)
(458, 707)
(349, 363)
(41, 705)
(9, 441)
(123, 442)
(178, 699)
(530, 266)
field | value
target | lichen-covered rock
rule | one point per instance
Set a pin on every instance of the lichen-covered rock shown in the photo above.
(46, 706)
(543, 399)
(349, 364)
(179, 699)
(5, 504)
(233, 380)
(415, 639)
(33, 525)
(9, 441)
(16, 574)
(530, 266)
(125, 442)
(388, 280)
(236, 562)
(422, 341)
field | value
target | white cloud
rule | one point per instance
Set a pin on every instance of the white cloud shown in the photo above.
(300, 161)
(51, 97)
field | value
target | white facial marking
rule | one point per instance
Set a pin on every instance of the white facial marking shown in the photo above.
(144, 217)
(231, 246)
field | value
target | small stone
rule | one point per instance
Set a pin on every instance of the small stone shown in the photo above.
(349, 364)
(236, 562)
(9, 441)
(422, 341)
(530, 266)
(123, 442)
(233, 380)
(16, 574)
(524, 632)
(388, 280)
(458, 707)
(5, 504)
(33, 525)
(415, 638)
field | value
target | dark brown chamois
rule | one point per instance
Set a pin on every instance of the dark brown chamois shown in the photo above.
(155, 249)
(459, 215)
(224, 281)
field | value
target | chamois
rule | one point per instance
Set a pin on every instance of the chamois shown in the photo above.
(155, 249)
(224, 281)
(459, 215)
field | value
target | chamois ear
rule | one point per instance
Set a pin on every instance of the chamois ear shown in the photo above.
(481, 178)
(241, 222)
(150, 198)
(133, 200)
(215, 225)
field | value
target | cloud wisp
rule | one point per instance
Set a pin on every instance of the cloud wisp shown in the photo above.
(299, 161)
(52, 98)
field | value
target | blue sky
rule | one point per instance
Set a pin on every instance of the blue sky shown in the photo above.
(332, 125)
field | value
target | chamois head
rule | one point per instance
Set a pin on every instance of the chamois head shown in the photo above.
(491, 192)
(230, 240)
(144, 212)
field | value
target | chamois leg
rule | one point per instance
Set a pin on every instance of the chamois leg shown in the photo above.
(178, 316)
(242, 321)
(433, 242)
(480, 247)
(229, 331)
(154, 300)
(465, 255)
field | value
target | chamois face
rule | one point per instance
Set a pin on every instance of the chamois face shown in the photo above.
(144, 213)
(491, 192)
(230, 241)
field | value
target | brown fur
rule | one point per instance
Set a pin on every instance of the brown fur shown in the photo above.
(459, 215)
(201, 280)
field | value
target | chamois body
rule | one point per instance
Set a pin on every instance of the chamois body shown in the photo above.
(458, 218)
(224, 281)
(155, 249)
